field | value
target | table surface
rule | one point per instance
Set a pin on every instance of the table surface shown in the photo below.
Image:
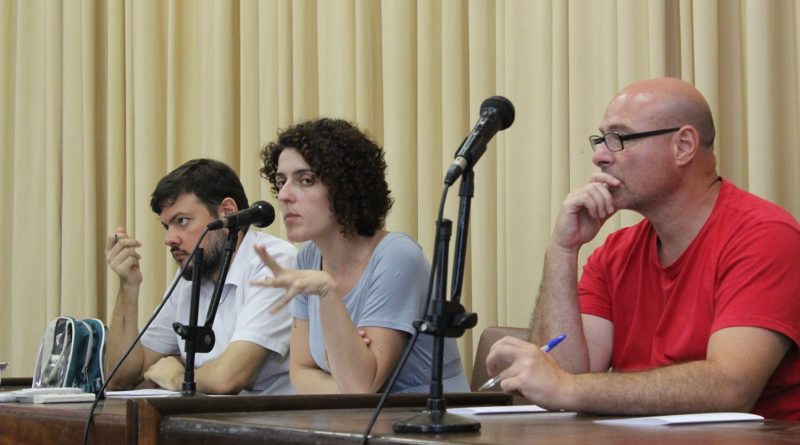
(183, 422)
(347, 426)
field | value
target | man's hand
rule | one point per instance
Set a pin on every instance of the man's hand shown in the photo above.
(526, 370)
(166, 373)
(584, 211)
(122, 257)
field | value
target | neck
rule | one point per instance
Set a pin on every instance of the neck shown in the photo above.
(341, 255)
(679, 221)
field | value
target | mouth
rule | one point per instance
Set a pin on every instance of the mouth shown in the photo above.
(179, 255)
(290, 215)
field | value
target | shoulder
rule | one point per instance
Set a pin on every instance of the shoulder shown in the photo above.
(397, 255)
(743, 223)
(283, 251)
(399, 246)
(741, 208)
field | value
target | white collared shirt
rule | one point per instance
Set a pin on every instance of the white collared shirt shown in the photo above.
(243, 315)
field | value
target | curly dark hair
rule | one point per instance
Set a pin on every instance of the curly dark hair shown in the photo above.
(347, 161)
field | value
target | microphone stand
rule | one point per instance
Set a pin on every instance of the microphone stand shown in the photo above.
(466, 191)
(201, 338)
(189, 333)
(446, 319)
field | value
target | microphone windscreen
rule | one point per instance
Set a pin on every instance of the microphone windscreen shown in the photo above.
(265, 215)
(504, 108)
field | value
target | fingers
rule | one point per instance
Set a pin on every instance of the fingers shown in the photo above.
(110, 241)
(367, 341)
(594, 198)
(601, 183)
(597, 200)
(121, 255)
(268, 260)
(505, 352)
(605, 178)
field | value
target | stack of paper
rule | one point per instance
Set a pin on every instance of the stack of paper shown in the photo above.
(684, 419)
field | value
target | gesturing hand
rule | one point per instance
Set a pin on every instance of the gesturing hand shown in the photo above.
(295, 281)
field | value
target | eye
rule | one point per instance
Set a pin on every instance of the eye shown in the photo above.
(183, 221)
(280, 182)
(308, 180)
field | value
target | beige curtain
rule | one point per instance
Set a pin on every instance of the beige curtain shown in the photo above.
(99, 99)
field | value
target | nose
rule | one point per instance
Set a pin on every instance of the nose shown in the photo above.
(602, 156)
(171, 238)
(285, 193)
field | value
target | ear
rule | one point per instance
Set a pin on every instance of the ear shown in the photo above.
(687, 144)
(227, 206)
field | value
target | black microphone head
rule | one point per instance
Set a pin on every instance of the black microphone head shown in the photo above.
(265, 214)
(503, 107)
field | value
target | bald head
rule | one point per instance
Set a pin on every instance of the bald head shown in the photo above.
(669, 102)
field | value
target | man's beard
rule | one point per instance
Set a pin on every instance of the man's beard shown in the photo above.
(212, 258)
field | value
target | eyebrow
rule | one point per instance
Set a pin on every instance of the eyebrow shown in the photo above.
(296, 172)
(615, 129)
(174, 217)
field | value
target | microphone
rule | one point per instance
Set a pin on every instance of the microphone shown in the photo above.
(260, 214)
(497, 113)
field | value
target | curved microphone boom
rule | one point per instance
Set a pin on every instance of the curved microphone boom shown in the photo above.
(260, 214)
(497, 113)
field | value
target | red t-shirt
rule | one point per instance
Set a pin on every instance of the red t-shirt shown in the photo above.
(742, 269)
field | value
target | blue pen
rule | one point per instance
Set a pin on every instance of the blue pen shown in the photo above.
(546, 348)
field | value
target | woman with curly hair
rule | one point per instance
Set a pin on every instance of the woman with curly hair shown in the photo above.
(358, 288)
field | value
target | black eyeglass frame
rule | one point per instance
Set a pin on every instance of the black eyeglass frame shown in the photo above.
(594, 140)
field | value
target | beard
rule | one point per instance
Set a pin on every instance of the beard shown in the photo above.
(212, 258)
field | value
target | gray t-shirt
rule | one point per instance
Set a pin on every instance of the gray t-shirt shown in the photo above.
(390, 294)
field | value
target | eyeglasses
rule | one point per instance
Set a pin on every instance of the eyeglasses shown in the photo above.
(614, 141)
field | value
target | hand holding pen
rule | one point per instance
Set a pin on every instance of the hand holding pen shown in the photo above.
(122, 257)
(546, 348)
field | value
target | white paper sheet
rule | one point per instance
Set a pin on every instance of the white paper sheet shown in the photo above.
(510, 409)
(141, 393)
(684, 419)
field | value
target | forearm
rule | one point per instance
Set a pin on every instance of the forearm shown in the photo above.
(557, 311)
(307, 380)
(209, 379)
(684, 388)
(122, 332)
(353, 365)
(232, 371)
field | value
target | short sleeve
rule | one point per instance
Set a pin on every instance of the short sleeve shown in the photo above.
(594, 295)
(160, 337)
(759, 280)
(254, 322)
(397, 286)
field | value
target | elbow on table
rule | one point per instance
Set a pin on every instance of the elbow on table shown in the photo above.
(737, 395)
(226, 384)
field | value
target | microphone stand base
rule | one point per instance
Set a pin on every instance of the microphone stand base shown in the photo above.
(436, 422)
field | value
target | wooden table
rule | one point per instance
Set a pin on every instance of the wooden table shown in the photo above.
(61, 423)
(139, 421)
(341, 420)
(346, 427)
